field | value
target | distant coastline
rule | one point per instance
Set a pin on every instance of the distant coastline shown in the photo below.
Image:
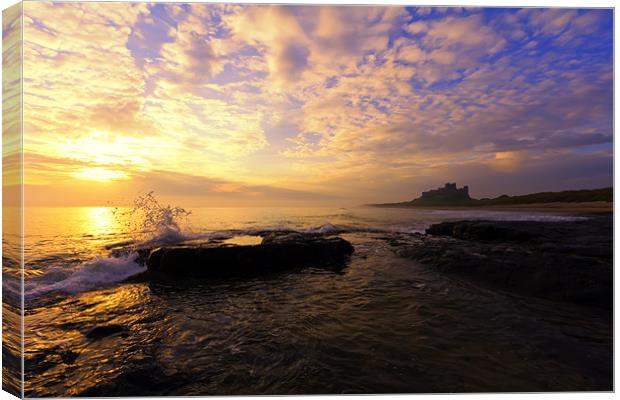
(587, 200)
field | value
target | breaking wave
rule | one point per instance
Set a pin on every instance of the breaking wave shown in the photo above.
(86, 276)
(149, 224)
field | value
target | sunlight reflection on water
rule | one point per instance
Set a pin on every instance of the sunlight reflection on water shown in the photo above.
(304, 332)
(244, 240)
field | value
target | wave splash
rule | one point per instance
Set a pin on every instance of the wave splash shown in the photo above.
(86, 276)
(151, 223)
(148, 223)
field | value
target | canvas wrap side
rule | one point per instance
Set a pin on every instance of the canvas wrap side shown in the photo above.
(12, 201)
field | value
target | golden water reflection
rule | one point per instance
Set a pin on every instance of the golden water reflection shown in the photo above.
(244, 240)
(100, 219)
(57, 339)
(71, 221)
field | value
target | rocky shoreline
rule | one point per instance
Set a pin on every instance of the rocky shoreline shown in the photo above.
(276, 252)
(570, 261)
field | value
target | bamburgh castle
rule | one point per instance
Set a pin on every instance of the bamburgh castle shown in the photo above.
(447, 193)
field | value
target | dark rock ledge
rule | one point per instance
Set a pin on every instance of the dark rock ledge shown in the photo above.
(278, 252)
(571, 261)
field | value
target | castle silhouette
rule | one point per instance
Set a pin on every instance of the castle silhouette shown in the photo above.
(448, 193)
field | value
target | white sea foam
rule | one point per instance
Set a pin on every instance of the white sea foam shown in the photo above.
(326, 228)
(86, 276)
(150, 224)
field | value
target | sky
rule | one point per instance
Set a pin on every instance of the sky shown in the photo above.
(232, 105)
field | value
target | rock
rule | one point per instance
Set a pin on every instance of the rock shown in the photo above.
(138, 378)
(102, 331)
(571, 261)
(69, 356)
(483, 230)
(276, 253)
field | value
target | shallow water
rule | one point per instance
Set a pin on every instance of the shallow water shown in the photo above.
(244, 240)
(381, 324)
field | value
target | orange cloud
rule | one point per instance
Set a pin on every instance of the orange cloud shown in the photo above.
(309, 99)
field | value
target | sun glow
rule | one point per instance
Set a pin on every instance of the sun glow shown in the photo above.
(106, 148)
(278, 105)
(100, 174)
(108, 156)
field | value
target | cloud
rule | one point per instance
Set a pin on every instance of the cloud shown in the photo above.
(551, 21)
(443, 47)
(183, 189)
(354, 30)
(123, 116)
(74, 65)
(316, 40)
(292, 61)
(11, 104)
(191, 59)
(277, 35)
(344, 102)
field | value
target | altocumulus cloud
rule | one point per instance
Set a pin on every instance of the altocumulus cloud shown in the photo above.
(357, 103)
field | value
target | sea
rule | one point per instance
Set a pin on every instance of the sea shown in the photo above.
(382, 324)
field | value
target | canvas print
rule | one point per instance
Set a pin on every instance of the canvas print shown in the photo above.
(244, 199)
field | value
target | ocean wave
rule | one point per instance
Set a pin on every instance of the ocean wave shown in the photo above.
(87, 276)
(167, 236)
(150, 224)
(326, 228)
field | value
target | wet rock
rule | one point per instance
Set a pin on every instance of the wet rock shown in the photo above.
(485, 230)
(102, 331)
(146, 378)
(570, 261)
(277, 252)
(69, 356)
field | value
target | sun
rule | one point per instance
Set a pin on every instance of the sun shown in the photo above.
(111, 153)
(101, 174)
(108, 156)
